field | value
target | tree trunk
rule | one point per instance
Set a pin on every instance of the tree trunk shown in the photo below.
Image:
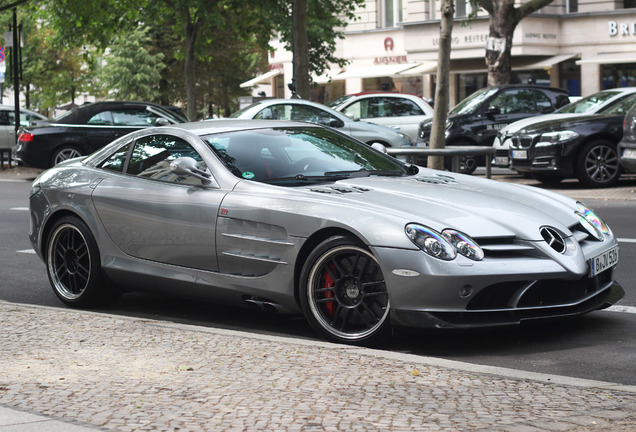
(191, 31)
(442, 89)
(501, 29)
(301, 49)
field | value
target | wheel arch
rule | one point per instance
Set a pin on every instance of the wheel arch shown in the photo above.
(310, 244)
(50, 222)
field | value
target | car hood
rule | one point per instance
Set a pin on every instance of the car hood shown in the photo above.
(520, 124)
(570, 122)
(477, 207)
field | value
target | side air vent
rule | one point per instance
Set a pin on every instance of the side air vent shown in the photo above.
(554, 239)
(436, 180)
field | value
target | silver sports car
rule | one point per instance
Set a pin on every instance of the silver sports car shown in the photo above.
(300, 218)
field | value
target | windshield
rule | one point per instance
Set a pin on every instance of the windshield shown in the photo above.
(238, 113)
(622, 106)
(587, 104)
(338, 101)
(474, 101)
(294, 156)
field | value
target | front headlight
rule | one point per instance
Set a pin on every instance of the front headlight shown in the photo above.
(444, 246)
(591, 222)
(405, 137)
(554, 138)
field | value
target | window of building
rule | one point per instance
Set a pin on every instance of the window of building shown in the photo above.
(390, 12)
(572, 6)
(461, 8)
(629, 4)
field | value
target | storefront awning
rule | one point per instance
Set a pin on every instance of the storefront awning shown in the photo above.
(548, 62)
(327, 77)
(374, 71)
(610, 58)
(422, 68)
(261, 79)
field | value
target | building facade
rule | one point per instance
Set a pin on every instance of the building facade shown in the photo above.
(580, 45)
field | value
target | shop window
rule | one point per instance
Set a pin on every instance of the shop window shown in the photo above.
(390, 12)
(619, 75)
(629, 4)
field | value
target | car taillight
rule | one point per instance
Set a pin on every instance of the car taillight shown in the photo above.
(25, 137)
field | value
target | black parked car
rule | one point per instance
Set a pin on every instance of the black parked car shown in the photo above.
(476, 119)
(584, 147)
(627, 146)
(85, 129)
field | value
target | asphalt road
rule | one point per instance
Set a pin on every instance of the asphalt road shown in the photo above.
(598, 346)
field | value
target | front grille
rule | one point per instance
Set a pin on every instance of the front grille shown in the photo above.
(538, 293)
(522, 141)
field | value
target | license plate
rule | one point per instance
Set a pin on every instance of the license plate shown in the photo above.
(629, 154)
(520, 154)
(604, 261)
(502, 161)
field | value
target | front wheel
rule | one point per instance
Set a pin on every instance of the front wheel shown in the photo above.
(73, 264)
(343, 293)
(597, 164)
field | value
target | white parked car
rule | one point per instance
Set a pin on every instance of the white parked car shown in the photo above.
(401, 111)
(597, 103)
(7, 123)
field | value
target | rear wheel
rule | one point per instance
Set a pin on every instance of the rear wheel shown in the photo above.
(64, 153)
(73, 264)
(467, 164)
(597, 164)
(343, 293)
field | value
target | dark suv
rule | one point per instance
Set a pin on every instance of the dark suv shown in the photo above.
(476, 119)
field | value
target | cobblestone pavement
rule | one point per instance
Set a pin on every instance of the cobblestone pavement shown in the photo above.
(130, 374)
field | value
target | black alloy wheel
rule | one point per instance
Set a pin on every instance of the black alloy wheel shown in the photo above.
(343, 293)
(597, 164)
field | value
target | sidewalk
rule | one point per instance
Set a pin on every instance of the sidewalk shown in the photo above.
(95, 371)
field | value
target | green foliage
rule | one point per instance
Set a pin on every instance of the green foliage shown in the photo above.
(130, 71)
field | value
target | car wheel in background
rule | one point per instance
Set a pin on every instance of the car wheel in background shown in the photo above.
(467, 164)
(343, 293)
(64, 153)
(73, 264)
(597, 164)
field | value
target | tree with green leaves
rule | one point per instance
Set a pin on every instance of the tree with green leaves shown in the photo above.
(130, 71)
(504, 17)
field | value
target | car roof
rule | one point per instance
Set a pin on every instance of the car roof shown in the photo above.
(82, 113)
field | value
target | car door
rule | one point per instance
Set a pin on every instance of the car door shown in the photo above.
(151, 213)
(507, 106)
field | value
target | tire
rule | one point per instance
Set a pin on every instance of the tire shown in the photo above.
(73, 264)
(343, 293)
(548, 179)
(64, 153)
(467, 164)
(597, 164)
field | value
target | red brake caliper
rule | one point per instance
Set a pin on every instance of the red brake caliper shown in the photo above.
(330, 306)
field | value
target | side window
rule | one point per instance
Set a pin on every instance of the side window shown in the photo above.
(357, 110)
(151, 157)
(117, 160)
(544, 104)
(134, 117)
(311, 114)
(102, 118)
(515, 101)
(274, 112)
(403, 107)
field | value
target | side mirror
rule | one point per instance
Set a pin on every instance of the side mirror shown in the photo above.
(161, 122)
(379, 147)
(187, 166)
(336, 123)
(492, 110)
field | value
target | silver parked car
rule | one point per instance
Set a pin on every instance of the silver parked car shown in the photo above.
(305, 220)
(303, 110)
(401, 111)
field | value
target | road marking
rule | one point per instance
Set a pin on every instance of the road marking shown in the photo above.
(26, 251)
(20, 208)
(627, 309)
(624, 240)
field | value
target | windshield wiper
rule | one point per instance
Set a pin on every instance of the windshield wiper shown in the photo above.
(362, 173)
